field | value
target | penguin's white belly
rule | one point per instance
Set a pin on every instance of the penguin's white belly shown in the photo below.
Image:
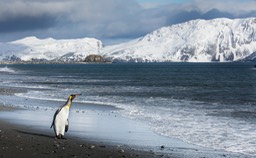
(60, 121)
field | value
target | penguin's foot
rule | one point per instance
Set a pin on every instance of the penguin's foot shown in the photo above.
(60, 136)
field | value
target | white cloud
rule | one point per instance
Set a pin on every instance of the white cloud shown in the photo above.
(30, 8)
(232, 6)
(105, 19)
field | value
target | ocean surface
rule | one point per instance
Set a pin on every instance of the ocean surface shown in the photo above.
(206, 104)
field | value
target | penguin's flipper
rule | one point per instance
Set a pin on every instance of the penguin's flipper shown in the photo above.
(66, 126)
(54, 117)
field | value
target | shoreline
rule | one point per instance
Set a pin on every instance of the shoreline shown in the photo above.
(18, 140)
(26, 140)
(21, 134)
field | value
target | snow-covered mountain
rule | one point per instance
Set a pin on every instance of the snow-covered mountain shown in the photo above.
(50, 49)
(194, 41)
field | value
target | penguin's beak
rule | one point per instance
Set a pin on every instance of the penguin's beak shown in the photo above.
(74, 96)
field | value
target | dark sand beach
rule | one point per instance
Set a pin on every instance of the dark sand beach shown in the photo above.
(20, 141)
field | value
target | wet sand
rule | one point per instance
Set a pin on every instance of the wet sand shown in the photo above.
(18, 141)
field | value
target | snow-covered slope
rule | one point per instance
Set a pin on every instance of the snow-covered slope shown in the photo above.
(50, 49)
(194, 41)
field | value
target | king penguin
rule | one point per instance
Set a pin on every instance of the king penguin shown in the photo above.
(60, 118)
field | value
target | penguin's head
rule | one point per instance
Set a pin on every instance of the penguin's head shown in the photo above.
(72, 96)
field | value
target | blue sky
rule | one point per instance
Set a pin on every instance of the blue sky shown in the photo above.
(177, 1)
(111, 21)
(162, 1)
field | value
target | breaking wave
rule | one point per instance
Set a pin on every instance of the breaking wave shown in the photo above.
(7, 69)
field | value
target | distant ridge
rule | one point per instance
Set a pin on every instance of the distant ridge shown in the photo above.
(193, 41)
(49, 49)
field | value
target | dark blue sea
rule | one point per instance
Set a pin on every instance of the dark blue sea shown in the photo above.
(207, 104)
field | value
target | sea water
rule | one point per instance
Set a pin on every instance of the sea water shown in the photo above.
(207, 104)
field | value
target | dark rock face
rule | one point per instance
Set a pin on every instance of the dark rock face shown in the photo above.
(94, 59)
(12, 58)
(251, 57)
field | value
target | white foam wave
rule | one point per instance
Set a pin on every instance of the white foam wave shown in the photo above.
(193, 125)
(45, 96)
(37, 95)
(32, 86)
(6, 69)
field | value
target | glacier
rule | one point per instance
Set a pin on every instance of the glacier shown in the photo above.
(193, 41)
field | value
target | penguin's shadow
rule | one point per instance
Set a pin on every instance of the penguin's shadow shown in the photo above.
(35, 134)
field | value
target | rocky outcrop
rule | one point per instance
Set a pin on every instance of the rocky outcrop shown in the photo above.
(95, 59)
